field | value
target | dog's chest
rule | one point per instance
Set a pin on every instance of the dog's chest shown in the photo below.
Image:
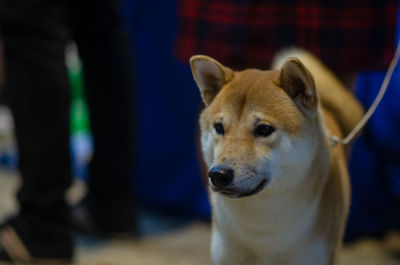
(273, 230)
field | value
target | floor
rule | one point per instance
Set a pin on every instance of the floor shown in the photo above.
(187, 244)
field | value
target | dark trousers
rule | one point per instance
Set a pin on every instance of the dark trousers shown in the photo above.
(35, 33)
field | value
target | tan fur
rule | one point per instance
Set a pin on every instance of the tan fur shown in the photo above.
(299, 217)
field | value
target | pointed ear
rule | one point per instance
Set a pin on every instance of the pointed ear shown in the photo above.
(299, 84)
(210, 76)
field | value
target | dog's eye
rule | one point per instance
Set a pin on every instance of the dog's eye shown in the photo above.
(263, 130)
(219, 128)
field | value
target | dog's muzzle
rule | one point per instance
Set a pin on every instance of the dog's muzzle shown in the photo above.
(221, 181)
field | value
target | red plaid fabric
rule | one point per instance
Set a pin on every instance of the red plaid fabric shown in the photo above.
(346, 34)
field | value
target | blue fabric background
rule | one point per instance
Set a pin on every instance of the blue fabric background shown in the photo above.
(168, 176)
(375, 160)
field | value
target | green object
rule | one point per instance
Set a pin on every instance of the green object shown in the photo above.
(79, 115)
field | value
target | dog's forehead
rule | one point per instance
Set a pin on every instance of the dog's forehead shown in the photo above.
(256, 91)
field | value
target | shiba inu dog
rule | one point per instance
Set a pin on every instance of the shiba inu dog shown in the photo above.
(279, 190)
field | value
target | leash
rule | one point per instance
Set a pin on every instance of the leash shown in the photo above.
(336, 140)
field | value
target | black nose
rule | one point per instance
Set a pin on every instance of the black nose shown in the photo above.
(221, 176)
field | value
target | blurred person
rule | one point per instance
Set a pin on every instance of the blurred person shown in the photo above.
(1, 64)
(35, 33)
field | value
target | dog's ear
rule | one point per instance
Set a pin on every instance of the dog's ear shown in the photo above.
(299, 84)
(210, 76)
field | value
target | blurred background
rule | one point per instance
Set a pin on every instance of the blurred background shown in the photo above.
(169, 188)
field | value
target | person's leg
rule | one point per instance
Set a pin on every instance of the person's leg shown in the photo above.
(104, 48)
(34, 35)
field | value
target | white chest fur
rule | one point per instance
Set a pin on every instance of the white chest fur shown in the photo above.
(266, 230)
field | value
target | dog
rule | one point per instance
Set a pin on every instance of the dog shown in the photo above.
(279, 189)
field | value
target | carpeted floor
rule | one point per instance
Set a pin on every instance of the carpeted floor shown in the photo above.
(186, 245)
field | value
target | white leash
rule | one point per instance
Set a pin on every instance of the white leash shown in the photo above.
(335, 140)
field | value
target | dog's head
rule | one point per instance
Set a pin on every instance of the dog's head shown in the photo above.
(258, 127)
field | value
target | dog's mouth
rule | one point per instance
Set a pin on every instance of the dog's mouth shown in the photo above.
(234, 193)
